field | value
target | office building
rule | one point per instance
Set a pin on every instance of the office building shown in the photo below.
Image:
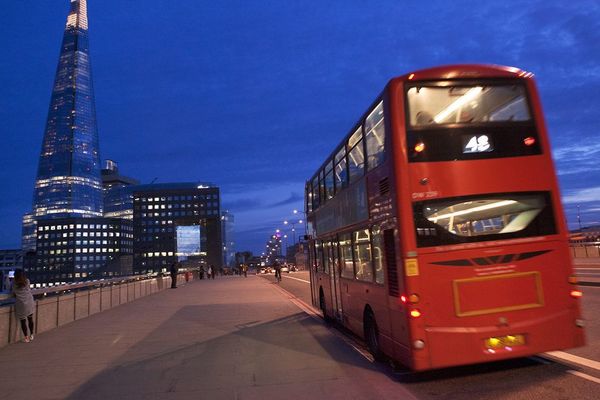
(68, 183)
(176, 222)
(10, 260)
(118, 192)
(227, 224)
(74, 249)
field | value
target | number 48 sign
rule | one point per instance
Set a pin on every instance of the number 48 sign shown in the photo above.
(477, 144)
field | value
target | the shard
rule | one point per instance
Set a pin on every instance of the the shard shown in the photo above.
(68, 181)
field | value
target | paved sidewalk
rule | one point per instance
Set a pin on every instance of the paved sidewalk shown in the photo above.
(231, 338)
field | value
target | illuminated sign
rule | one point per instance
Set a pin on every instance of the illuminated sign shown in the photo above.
(477, 144)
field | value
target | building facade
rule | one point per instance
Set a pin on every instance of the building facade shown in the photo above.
(68, 183)
(176, 222)
(227, 226)
(10, 260)
(118, 192)
(74, 249)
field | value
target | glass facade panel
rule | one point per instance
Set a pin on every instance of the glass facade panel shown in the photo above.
(68, 180)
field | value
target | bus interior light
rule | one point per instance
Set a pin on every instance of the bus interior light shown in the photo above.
(415, 313)
(419, 147)
(529, 141)
(576, 294)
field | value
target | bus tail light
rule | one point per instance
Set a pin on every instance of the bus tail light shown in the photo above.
(529, 141)
(419, 344)
(573, 279)
(576, 294)
(412, 299)
(415, 313)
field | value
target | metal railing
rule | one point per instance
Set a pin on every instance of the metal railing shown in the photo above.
(59, 305)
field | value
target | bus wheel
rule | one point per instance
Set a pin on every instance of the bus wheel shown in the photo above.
(372, 336)
(322, 306)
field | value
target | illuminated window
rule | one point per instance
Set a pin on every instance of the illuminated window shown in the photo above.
(362, 255)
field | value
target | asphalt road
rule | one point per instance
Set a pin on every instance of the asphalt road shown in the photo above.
(574, 374)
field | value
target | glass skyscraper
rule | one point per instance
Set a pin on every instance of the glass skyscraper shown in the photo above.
(69, 183)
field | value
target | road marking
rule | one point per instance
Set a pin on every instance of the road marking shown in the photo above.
(297, 279)
(575, 359)
(584, 376)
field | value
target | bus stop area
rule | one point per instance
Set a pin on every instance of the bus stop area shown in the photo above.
(228, 338)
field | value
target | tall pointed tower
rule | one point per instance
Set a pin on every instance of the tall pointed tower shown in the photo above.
(68, 181)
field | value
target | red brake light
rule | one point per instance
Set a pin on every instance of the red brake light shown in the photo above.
(529, 141)
(403, 299)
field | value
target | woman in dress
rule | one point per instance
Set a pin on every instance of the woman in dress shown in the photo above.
(24, 304)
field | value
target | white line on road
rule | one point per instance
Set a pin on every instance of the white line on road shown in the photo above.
(584, 376)
(297, 279)
(575, 359)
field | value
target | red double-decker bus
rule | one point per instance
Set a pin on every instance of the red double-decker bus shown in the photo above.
(436, 227)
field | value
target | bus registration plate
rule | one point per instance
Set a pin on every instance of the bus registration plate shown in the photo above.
(505, 341)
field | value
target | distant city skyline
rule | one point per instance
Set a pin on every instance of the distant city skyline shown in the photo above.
(253, 97)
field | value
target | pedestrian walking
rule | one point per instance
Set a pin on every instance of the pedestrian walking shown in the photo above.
(202, 272)
(214, 271)
(209, 272)
(24, 304)
(245, 270)
(173, 271)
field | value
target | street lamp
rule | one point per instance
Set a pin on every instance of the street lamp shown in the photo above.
(295, 211)
(293, 224)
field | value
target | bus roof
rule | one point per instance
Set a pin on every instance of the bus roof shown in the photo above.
(466, 71)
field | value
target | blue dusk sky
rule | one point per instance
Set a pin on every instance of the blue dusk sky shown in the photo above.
(253, 95)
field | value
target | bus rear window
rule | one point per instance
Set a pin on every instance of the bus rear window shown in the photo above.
(477, 104)
(483, 218)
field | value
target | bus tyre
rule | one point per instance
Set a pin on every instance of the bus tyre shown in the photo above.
(323, 306)
(372, 336)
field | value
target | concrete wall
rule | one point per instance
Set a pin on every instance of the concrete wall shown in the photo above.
(52, 312)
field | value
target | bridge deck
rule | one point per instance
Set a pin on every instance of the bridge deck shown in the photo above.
(230, 338)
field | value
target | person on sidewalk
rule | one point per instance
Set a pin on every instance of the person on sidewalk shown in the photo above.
(202, 272)
(24, 304)
(245, 270)
(213, 271)
(174, 271)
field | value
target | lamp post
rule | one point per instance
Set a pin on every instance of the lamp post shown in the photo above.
(293, 224)
(296, 212)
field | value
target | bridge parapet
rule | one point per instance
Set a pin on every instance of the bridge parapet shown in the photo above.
(60, 305)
